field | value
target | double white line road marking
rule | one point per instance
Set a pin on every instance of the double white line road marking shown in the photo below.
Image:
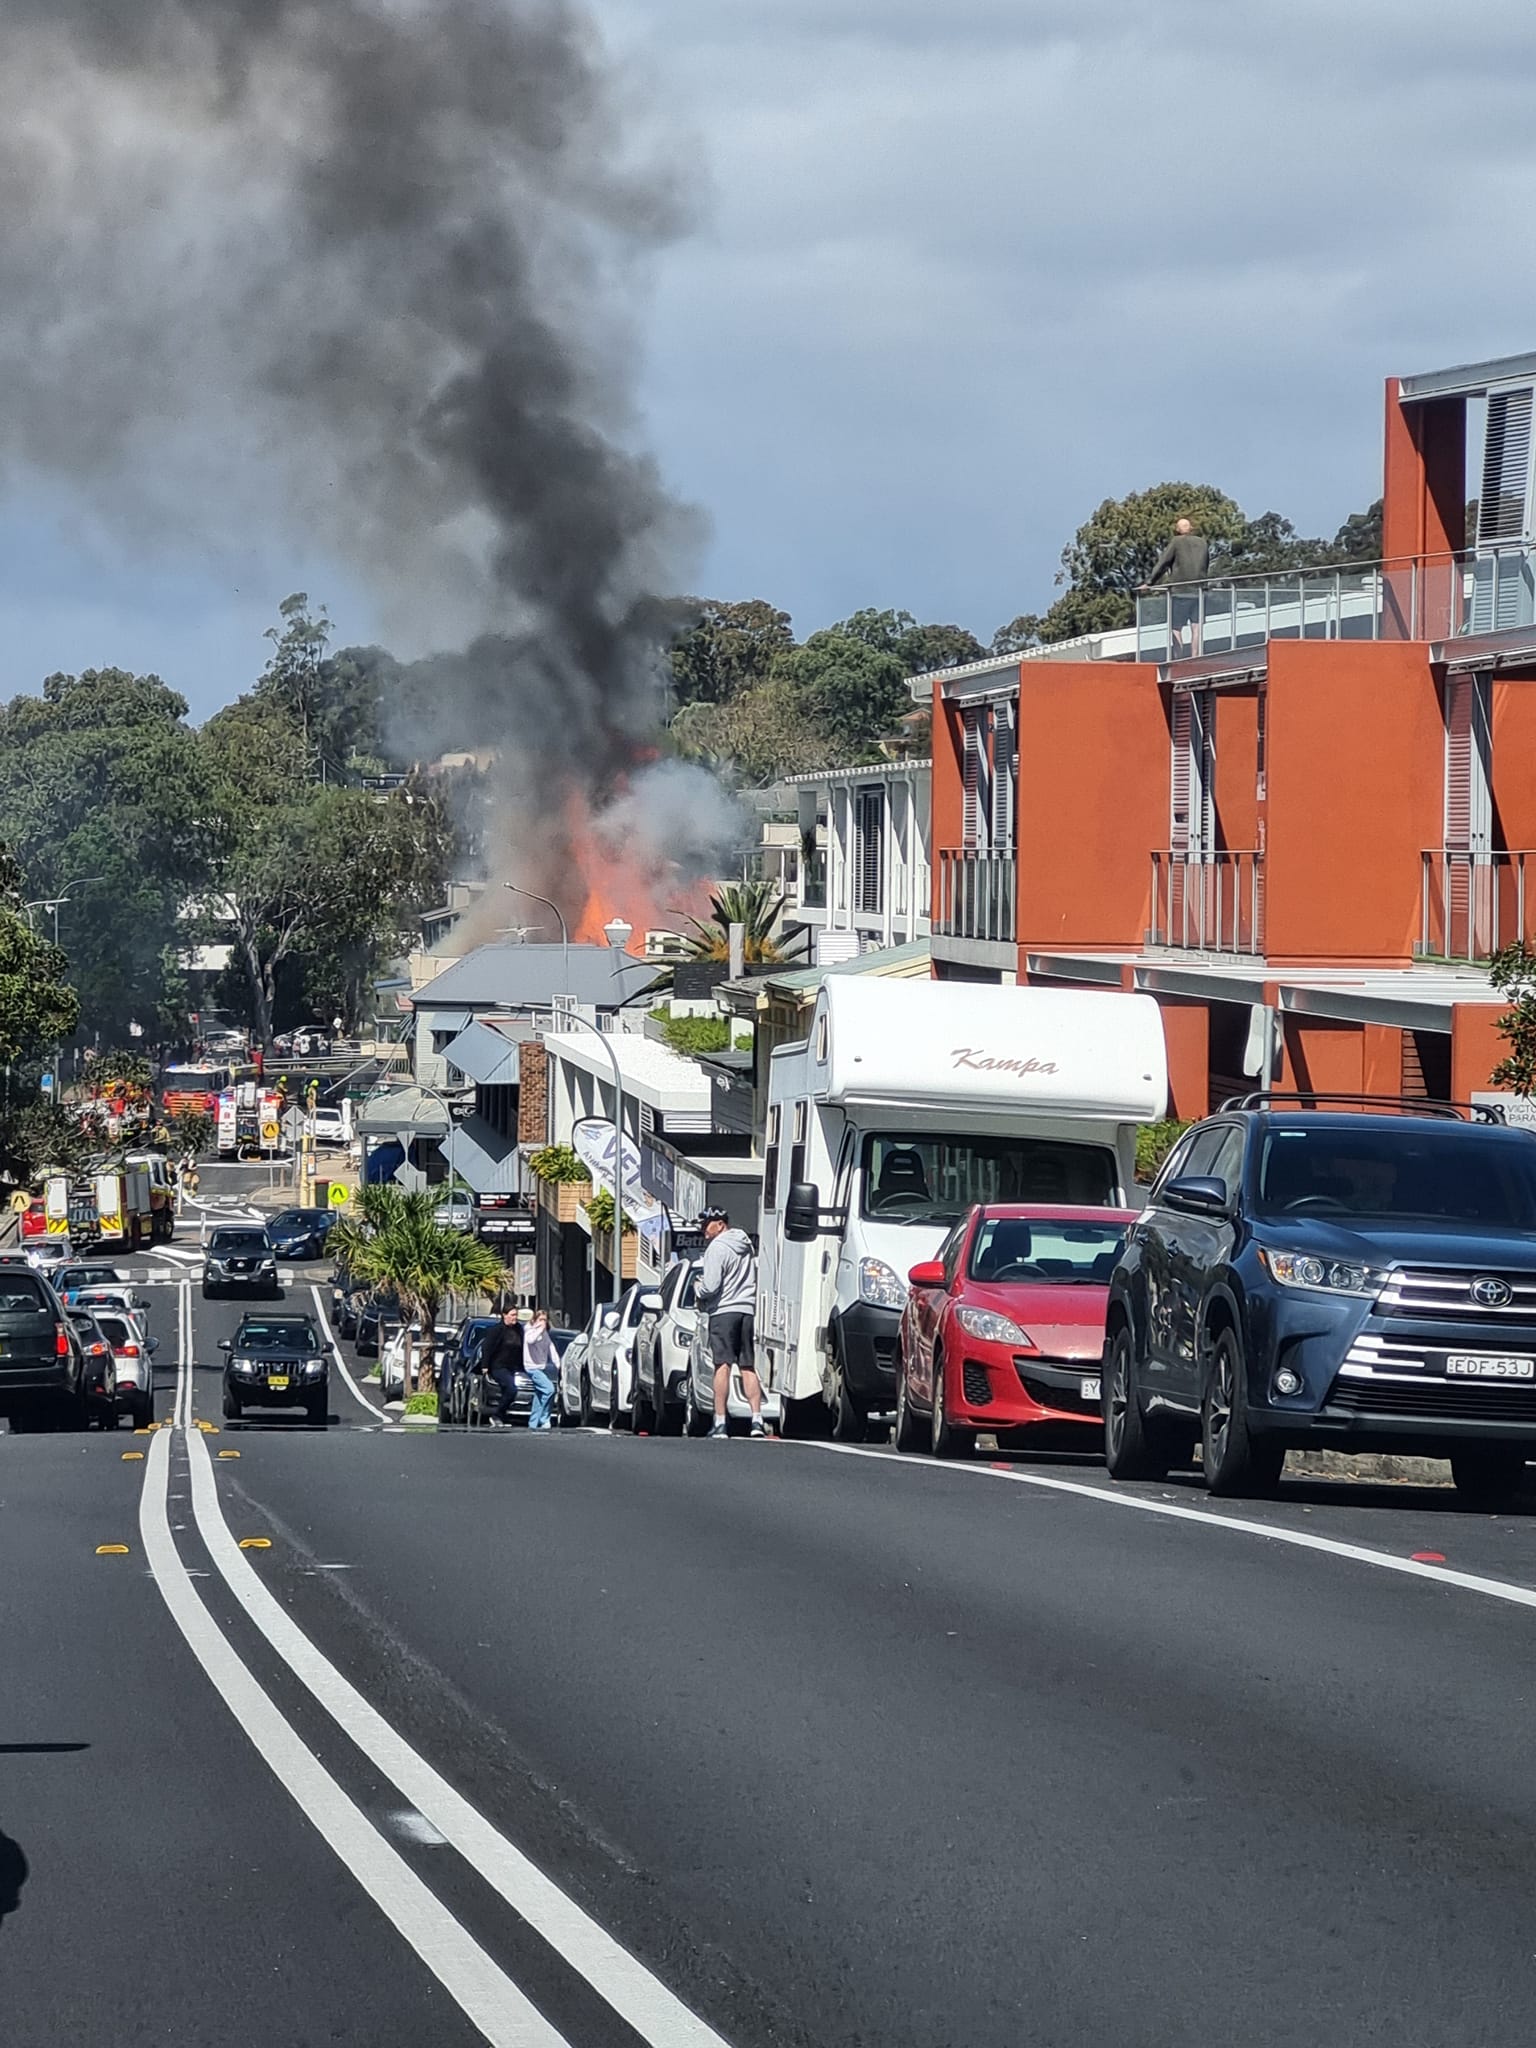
(497, 2006)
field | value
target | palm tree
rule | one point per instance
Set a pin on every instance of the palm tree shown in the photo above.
(755, 906)
(398, 1244)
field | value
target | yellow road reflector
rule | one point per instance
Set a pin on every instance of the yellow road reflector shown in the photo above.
(111, 1550)
(208, 1428)
(148, 1429)
(133, 1457)
(228, 1454)
(255, 1542)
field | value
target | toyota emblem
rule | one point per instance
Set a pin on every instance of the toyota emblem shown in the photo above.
(1492, 1293)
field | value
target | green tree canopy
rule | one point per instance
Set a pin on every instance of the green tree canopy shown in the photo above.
(101, 794)
(852, 693)
(727, 649)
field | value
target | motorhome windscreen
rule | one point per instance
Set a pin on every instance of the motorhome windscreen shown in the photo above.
(916, 1177)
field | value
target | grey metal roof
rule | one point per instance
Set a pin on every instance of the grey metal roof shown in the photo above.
(487, 1055)
(485, 1161)
(407, 1112)
(511, 977)
(1466, 379)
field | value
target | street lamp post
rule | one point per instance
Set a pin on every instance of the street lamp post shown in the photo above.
(565, 936)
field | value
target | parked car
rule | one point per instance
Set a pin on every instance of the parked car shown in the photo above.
(300, 1233)
(377, 1315)
(348, 1294)
(43, 1378)
(662, 1345)
(1004, 1331)
(69, 1280)
(276, 1361)
(238, 1259)
(392, 1359)
(573, 1392)
(133, 1357)
(101, 1387)
(1309, 1278)
(456, 1210)
(610, 1365)
(327, 1126)
(699, 1388)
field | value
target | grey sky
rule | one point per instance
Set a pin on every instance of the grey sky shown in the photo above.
(960, 271)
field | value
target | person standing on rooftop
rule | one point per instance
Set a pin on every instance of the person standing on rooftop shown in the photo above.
(1185, 562)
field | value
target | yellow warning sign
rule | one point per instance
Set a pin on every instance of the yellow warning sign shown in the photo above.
(339, 1196)
(269, 1131)
(21, 1201)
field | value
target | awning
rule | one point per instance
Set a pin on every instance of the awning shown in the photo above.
(444, 1020)
(407, 1112)
(487, 1055)
(483, 1159)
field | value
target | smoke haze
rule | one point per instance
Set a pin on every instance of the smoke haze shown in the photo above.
(355, 270)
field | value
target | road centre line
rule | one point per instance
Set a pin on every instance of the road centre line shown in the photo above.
(352, 1387)
(620, 1979)
(1299, 1539)
(486, 1994)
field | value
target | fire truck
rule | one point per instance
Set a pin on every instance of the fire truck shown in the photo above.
(162, 1192)
(112, 1206)
(250, 1122)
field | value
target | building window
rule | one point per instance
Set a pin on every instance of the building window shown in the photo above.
(869, 851)
(771, 1160)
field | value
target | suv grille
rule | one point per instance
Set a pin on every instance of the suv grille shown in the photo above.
(1447, 1292)
(1435, 1399)
(978, 1388)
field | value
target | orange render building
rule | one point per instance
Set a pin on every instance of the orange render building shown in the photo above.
(1298, 810)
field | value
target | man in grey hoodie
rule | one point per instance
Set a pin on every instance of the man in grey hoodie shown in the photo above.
(727, 1293)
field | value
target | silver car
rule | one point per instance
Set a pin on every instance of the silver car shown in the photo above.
(661, 1351)
(699, 1389)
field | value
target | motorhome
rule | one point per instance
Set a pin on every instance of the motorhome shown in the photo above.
(908, 1102)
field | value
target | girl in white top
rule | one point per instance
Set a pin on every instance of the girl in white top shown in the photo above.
(539, 1362)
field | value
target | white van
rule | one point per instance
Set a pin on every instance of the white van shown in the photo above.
(909, 1102)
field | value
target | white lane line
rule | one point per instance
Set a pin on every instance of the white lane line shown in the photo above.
(1299, 1539)
(486, 1994)
(655, 2013)
(182, 1413)
(341, 1364)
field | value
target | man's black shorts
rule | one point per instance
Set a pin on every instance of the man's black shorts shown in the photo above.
(730, 1340)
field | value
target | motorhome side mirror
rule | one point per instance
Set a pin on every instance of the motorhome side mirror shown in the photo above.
(802, 1212)
(1197, 1194)
(930, 1273)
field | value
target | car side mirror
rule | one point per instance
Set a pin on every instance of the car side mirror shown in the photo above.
(929, 1273)
(802, 1212)
(611, 1320)
(651, 1303)
(224, 1344)
(1197, 1195)
(152, 1346)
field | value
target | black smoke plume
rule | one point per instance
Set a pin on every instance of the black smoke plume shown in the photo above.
(355, 271)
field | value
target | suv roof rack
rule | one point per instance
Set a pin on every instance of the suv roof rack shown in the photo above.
(1408, 1105)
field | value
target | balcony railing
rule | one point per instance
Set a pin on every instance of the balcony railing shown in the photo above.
(1412, 597)
(1208, 902)
(978, 894)
(1474, 903)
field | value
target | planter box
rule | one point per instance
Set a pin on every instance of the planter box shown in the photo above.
(602, 1245)
(562, 1198)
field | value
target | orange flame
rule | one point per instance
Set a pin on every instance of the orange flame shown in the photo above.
(616, 875)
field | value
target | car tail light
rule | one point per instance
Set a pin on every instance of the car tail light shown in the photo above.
(60, 1343)
(129, 1351)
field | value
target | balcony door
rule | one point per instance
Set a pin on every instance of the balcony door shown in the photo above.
(1468, 839)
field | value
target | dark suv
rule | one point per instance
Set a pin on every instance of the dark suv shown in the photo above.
(1364, 1281)
(239, 1259)
(276, 1362)
(45, 1380)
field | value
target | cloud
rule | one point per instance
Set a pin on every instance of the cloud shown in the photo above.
(970, 269)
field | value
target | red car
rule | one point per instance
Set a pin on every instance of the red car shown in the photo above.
(1004, 1330)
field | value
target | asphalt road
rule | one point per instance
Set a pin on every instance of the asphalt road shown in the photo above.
(612, 1740)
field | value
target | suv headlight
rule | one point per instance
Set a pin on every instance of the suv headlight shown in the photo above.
(880, 1285)
(314, 1367)
(990, 1327)
(1322, 1276)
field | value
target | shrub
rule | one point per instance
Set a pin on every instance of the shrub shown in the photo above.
(1153, 1144)
(693, 1035)
(600, 1211)
(558, 1163)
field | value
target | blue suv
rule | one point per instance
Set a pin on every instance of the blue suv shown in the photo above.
(1306, 1278)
